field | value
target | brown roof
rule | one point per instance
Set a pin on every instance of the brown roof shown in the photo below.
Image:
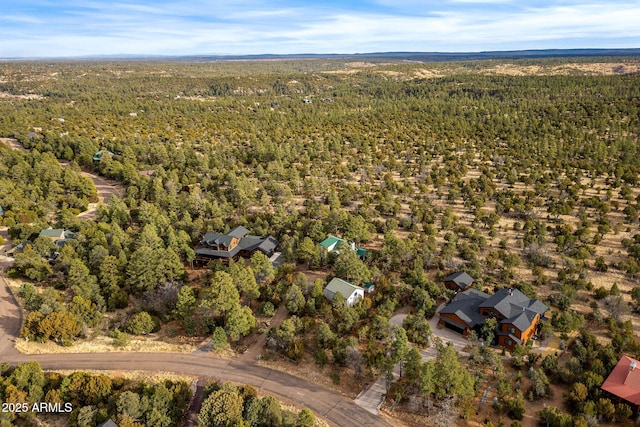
(624, 380)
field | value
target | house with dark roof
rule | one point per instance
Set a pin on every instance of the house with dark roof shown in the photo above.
(235, 243)
(58, 236)
(459, 281)
(462, 313)
(518, 315)
(349, 291)
(624, 381)
(19, 248)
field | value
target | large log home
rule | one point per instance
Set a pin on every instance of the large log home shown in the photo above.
(518, 315)
(235, 243)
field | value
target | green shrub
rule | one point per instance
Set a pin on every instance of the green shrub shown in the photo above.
(141, 324)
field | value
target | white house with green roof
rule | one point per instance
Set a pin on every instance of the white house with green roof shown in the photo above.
(349, 291)
(333, 244)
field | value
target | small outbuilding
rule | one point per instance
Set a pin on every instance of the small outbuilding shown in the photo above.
(459, 281)
(97, 156)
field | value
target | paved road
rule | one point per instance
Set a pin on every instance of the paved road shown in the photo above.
(334, 408)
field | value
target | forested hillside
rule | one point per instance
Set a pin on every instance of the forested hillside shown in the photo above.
(524, 174)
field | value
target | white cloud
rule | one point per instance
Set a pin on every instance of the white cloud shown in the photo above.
(243, 27)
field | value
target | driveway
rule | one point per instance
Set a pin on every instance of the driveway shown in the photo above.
(372, 398)
(446, 335)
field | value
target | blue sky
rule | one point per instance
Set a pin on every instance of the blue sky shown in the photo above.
(52, 28)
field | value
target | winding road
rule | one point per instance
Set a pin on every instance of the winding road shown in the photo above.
(336, 409)
(333, 407)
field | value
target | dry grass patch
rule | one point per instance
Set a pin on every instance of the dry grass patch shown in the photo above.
(28, 96)
(13, 144)
(149, 378)
(423, 73)
(104, 344)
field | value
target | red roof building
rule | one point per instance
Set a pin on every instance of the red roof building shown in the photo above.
(624, 381)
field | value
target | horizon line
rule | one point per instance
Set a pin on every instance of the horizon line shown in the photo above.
(596, 51)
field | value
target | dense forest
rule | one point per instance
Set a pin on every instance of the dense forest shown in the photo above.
(523, 174)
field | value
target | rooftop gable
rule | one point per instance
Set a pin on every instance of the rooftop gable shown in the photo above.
(473, 293)
(509, 302)
(217, 239)
(52, 232)
(462, 279)
(331, 240)
(238, 232)
(538, 307)
(465, 306)
(521, 320)
(345, 288)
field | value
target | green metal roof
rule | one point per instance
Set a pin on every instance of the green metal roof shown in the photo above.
(98, 155)
(331, 240)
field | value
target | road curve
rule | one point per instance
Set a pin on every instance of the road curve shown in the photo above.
(105, 187)
(329, 405)
(333, 407)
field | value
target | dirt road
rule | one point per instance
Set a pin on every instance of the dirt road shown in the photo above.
(105, 187)
(334, 408)
(10, 321)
